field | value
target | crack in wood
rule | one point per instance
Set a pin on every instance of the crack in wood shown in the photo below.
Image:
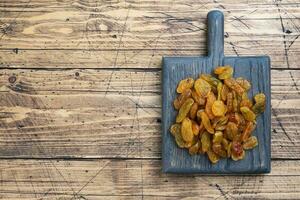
(283, 36)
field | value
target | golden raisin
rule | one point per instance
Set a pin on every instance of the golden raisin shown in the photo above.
(182, 98)
(219, 108)
(231, 130)
(194, 148)
(184, 85)
(184, 110)
(205, 141)
(231, 83)
(219, 150)
(260, 103)
(244, 83)
(187, 130)
(209, 103)
(197, 98)
(229, 102)
(193, 111)
(248, 114)
(250, 143)
(248, 130)
(215, 115)
(202, 87)
(224, 92)
(195, 128)
(212, 156)
(206, 122)
(224, 72)
(176, 132)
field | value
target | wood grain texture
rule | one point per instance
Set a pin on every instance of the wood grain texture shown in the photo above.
(137, 179)
(109, 34)
(65, 112)
(105, 113)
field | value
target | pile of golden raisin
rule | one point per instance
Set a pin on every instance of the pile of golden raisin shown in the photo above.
(215, 115)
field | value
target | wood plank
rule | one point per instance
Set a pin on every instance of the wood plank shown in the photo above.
(77, 113)
(136, 179)
(139, 58)
(40, 5)
(147, 28)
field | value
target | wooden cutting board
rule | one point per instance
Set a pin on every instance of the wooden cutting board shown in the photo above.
(256, 69)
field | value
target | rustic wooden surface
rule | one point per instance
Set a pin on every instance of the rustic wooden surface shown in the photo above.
(80, 97)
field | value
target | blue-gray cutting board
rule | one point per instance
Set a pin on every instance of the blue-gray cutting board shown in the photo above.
(256, 69)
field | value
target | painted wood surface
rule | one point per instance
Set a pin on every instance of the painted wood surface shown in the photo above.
(53, 105)
(256, 69)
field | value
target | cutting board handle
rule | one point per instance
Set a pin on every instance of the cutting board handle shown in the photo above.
(215, 23)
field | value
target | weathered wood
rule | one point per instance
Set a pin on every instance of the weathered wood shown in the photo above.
(128, 34)
(139, 58)
(116, 113)
(137, 179)
(105, 113)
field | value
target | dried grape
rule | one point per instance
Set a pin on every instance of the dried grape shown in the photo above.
(231, 130)
(184, 85)
(229, 102)
(219, 89)
(237, 157)
(245, 101)
(195, 128)
(237, 151)
(212, 156)
(209, 103)
(193, 110)
(224, 92)
(244, 83)
(260, 98)
(229, 150)
(219, 121)
(220, 127)
(201, 129)
(200, 151)
(197, 98)
(248, 114)
(175, 128)
(202, 87)
(217, 137)
(247, 131)
(187, 130)
(205, 141)
(206, 122)
(219, 108)
(210, 79)
(260, 103)
(250, 143)
(188, 144)
(232, 84)
(182, 98)
(235, 103)
(224, 72)
(225, 143)
(176, 132)
(237, 118)
(194, 148)
(219, 150)
(215, 115)
(184, 110)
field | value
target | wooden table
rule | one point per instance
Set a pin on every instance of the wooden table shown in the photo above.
(80, 96)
